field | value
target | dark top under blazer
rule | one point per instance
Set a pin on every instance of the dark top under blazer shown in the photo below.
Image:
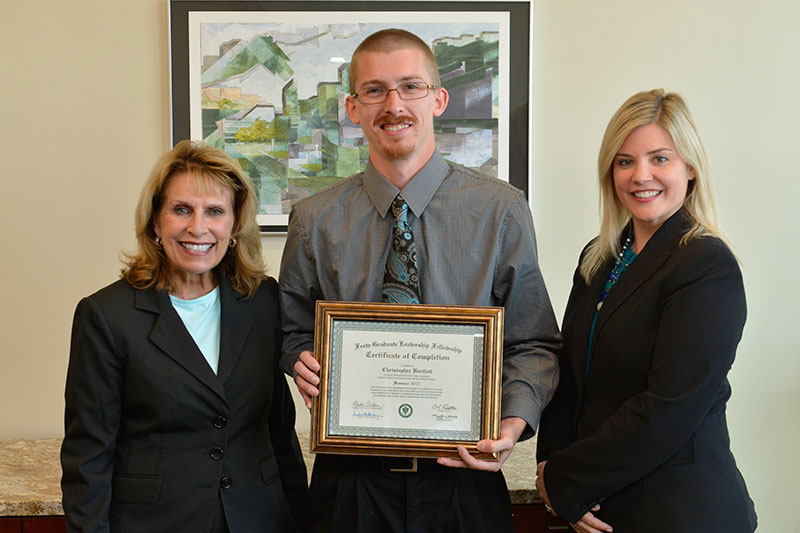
(645, 435)
(152, 435)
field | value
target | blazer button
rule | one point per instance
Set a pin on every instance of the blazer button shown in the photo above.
(220, 421)
(216, 453)
(226, 482)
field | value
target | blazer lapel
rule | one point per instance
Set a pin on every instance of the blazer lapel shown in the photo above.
(236, 325)
(654, 254)
(172, 337)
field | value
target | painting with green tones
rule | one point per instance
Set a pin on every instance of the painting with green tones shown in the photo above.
(269, 88)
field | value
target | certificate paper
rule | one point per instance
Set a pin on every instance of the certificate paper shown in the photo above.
(404, 382)
(407, 380)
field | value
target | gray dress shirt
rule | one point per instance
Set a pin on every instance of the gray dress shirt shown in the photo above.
(475, 246)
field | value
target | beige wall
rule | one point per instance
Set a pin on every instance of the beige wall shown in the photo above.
(85, 108)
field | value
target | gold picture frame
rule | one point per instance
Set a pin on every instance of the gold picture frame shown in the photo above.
(406, 380)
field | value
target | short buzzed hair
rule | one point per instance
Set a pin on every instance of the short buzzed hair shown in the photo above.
(390, 40)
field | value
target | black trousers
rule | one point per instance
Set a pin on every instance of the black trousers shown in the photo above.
(360, 494)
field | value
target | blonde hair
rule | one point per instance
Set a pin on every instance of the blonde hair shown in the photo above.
(243, 264)
(389, 40)
(668, 110)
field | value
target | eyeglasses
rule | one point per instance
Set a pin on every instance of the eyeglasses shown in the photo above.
(407, 91)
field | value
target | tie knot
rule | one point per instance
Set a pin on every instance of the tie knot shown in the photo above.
(400, 209)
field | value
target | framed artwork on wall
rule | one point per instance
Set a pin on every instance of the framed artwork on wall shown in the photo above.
(267, 81)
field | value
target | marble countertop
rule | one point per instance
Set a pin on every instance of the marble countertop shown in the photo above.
(30, 475)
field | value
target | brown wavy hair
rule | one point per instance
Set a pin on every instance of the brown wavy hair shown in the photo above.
(243, 264)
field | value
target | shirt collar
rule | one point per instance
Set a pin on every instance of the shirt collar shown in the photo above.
(417, 193)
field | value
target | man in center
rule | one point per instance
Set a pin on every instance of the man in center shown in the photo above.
(460, 238)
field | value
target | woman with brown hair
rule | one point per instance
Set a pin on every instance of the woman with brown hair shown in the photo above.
(177, 417)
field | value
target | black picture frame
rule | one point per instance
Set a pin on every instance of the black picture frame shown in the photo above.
(518, 75)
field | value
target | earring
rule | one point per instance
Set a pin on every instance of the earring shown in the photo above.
(232, 243)
(157, 240)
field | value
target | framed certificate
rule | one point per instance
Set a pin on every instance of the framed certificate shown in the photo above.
(406, 380)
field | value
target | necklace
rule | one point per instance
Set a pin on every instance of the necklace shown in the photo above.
(624, 259)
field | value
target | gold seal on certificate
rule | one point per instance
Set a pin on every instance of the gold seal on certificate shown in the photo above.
(407, 380)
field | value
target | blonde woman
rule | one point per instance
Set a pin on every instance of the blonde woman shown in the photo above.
(635, 439)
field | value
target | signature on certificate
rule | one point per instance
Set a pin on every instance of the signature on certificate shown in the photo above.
(444, 412)
(367, 409)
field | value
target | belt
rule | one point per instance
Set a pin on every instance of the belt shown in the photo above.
(397, 464)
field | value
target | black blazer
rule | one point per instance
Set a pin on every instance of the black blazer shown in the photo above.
(154, 439)
(645, 434)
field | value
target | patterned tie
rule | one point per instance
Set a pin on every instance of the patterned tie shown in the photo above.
(401, 280)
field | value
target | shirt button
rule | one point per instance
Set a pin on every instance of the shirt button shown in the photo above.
(226, 482)
(216, 453)
(220, 421)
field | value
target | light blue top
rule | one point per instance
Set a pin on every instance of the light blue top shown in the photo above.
(203, 318)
